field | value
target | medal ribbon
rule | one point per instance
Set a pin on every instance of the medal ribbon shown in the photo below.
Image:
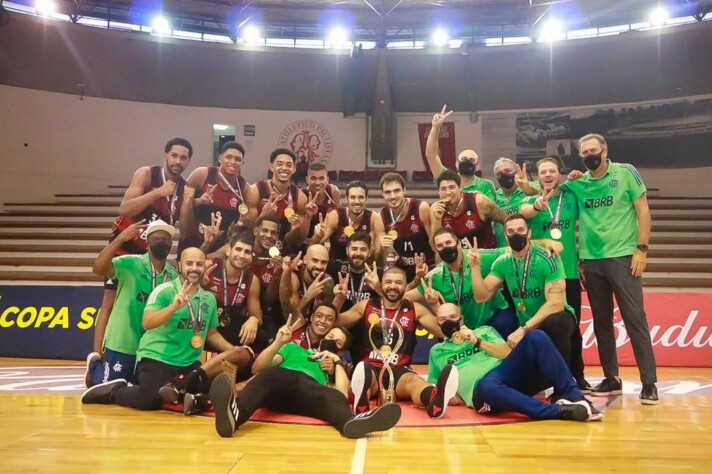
(457, 291)
(225, 285)
(387, 330)
(556, 217)
(237, 192)
(170, 200)
(196, 321)
(394, 220)
(154, 276)
(523, 284)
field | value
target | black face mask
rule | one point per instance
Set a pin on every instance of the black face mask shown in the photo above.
(517, 241)
(449, 328)
(506, 180)
(592, 162)
(466, 168)
(448, 254)
(329, 345)
(160, 250)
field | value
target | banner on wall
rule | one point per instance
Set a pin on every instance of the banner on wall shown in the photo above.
(57, 322)
(49, 322)
(446, 142)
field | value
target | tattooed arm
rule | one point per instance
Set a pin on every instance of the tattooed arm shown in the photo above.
(487, 209)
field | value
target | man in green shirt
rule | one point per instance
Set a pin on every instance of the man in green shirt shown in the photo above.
(138, 275)
(536, 281)
(468, 163)
(553, 215)
(496, 378)
(179, 318)
(451, 280)
(291, 379)
(614, 234)
(510, 195)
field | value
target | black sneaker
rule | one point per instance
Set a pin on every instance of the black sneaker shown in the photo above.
(649, 394)
(584, 386)
(172, 391)
(594, 414)
(444, 390)
(92, 359)
(358, 389)
(225, 405)
(103, 393)
(572, 411)
(554, 397)
(194, 403)
(382, 418)
(609, 386)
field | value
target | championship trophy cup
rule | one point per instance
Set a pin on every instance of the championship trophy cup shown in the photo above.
(386, 354)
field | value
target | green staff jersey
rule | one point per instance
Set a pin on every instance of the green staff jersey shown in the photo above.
(482, 185)
(509, 203)
(170, 342)
(475, 314)
(609, 222)
(472, 364)
(542, 270)
(296, 358)
(540, 224)
(136, 283)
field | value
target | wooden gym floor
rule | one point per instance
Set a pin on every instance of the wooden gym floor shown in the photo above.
(41, 431)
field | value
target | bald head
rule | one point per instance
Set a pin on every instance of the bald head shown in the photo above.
(469, 154)
(315, 260)
(448, 312)
(192, 265)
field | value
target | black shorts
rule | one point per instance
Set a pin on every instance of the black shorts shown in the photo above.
(245, 372)
(398, 372)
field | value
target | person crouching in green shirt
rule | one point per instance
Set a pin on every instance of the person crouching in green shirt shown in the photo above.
(536, 281)
(496, 378)
(179, 318)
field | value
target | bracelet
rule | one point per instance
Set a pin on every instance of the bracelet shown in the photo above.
(534, 207)
(478, 343)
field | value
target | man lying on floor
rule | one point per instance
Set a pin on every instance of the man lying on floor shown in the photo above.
(290, 379)
(495, 378)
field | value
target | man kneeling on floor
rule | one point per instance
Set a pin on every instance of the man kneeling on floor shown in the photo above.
(291, 379)
(178, 318)
(495, 378)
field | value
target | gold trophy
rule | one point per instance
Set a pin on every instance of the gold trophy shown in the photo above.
(385, 351)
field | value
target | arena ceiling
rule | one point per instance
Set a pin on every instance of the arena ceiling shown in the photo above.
(379, 20)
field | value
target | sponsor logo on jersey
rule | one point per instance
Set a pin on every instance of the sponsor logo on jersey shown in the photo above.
(595, 203)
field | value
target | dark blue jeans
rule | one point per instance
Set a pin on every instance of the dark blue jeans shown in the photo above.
(509, 387)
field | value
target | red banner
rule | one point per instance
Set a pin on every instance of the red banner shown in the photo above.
(446, 141)
(680, 328)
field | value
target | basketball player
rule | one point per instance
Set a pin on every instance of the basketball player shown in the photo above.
(407, 226)
(304, 284)
(220, 191)
(155, 192)
(381, 319)
(468, 214)
(327, 196)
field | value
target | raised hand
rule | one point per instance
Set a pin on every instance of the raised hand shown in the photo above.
(342, 289)
(473, 256)
(316, 288)
(132, 231)
(295, 221)
(521, 177)
(542, 202)
(290, 264)
(386, 241)
(311, 208)
(319, 229)
(574, 175)
(207, 198)
(421, 266)
(209, 269)
(433, 297)
(437, 210)
(439, 118)
(188, 193)
(211, 232)
(371, 275)
(284, 335)
(181, 298)
(270, 207)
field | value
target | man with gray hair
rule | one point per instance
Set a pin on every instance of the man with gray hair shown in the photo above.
(613, 244)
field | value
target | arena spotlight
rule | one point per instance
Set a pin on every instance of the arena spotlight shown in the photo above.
(160, 26)
(338, 37)
(658, 16)
(45, 7)
(251, 34)
(439, 37)
(552, 30)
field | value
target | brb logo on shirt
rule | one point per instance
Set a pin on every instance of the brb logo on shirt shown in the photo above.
(528, 293)
(599, 202)
(186, 323)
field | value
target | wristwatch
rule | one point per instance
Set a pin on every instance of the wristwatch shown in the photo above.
(643, 247)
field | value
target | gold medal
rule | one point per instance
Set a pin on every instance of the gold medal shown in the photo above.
(457, 337)
(521, 307)
(348, 231)
(386, 350)
(288, 212)
(196, 342)
(242, 208)
(273, 252)
(555, 234)
(393, 233)
(373, 319)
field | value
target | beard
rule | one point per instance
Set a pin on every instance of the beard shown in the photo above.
(393, 296)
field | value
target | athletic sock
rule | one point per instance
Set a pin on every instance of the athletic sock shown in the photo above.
(426, 394)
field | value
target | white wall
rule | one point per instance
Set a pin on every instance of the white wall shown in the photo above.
(81, 146)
